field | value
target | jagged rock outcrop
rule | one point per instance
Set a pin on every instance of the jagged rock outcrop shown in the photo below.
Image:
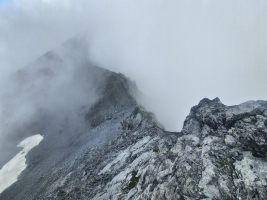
(219, 154)
(119, 151)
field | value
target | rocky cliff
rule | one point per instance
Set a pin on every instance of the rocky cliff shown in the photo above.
(119, 151)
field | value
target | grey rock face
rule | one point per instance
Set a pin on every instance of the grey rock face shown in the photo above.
(119, 151)
(219, 154)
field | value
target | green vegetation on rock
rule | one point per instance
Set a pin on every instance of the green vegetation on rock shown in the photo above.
(134, 180)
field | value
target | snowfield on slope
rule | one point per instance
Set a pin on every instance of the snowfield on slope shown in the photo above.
(10, 172)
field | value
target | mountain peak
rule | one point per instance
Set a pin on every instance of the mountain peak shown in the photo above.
(99, 143)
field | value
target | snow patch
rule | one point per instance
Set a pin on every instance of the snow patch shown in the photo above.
(10, 172)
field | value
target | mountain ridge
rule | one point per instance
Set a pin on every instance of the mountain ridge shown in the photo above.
(110, 147)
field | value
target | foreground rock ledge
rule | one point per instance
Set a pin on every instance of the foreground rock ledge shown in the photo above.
(219, 154)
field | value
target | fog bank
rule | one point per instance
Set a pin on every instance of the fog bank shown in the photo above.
(177, 51)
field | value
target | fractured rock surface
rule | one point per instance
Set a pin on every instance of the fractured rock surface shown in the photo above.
(119, 151)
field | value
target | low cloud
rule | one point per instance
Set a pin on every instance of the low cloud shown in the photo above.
(177, 51)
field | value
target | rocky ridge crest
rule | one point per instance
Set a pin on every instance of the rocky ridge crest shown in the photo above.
(119, 151)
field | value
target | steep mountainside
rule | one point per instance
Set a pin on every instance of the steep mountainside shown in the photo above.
(117, 150)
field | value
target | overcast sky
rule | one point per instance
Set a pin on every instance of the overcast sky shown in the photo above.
(178, 51)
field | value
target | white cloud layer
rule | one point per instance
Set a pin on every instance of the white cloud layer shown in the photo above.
(178, 51)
